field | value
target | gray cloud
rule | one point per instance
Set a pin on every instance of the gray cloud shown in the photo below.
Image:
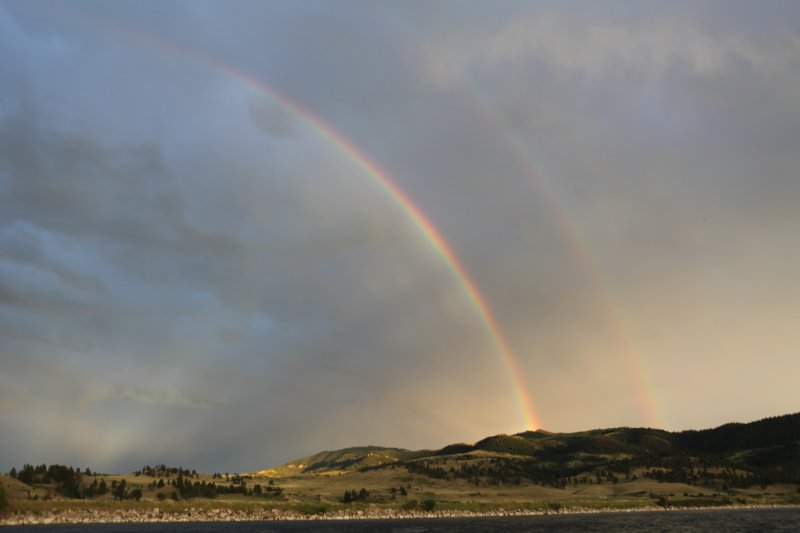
(645, 50)
(175, 243)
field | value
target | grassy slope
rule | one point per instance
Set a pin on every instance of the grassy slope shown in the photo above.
(770, 443)
(322, 479)
(327, 490)
(339, 461)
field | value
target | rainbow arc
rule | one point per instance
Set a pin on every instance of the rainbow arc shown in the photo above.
(341, 144)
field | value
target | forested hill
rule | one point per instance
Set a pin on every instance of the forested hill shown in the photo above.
(767, 450)
(773, 431)
(735, 460)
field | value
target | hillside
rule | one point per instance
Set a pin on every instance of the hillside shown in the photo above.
(732, 455)
(341, 461)
(756, 463)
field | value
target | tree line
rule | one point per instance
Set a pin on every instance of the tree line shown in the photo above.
(181, 483)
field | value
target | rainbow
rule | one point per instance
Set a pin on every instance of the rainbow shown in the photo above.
(643, 390)
(342, 145)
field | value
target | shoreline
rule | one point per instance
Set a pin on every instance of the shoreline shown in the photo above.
(134, 516)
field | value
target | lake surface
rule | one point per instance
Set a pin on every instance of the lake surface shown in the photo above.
(754, 520)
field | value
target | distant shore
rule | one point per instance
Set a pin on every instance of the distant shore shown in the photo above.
(155, 515)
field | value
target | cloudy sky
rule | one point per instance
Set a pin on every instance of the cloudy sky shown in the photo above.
(200, 264)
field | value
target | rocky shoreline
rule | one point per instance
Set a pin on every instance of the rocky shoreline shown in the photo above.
(155, 515)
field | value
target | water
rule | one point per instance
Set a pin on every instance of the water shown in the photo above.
(734, 520)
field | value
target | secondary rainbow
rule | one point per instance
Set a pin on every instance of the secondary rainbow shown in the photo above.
(571, 236)
(380, 177)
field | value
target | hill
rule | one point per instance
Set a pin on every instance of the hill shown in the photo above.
(341, 461)
(732, 455)
(756, 463)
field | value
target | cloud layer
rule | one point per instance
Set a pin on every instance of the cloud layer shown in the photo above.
(191, 274)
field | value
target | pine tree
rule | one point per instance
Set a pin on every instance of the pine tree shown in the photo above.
(121, 490)
(3, 499)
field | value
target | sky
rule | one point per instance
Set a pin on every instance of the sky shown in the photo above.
(233, 234)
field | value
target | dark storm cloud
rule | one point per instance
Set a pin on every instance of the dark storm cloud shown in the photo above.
(175, 244)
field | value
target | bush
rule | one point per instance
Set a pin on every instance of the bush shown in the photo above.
(312, 508)
(428, 504)
(409, 505)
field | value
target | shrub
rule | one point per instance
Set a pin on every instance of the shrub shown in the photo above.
(312, 508)
(428, 504)
(409, 505)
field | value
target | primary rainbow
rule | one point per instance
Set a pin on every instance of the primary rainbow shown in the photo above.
(381, 178)
(342, 145)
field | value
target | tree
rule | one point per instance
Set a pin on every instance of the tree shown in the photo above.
(136, 494)
(3, 499)
(26, 474)
(347, 498)
(403, 491)
(13, 473)
(120, 492)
